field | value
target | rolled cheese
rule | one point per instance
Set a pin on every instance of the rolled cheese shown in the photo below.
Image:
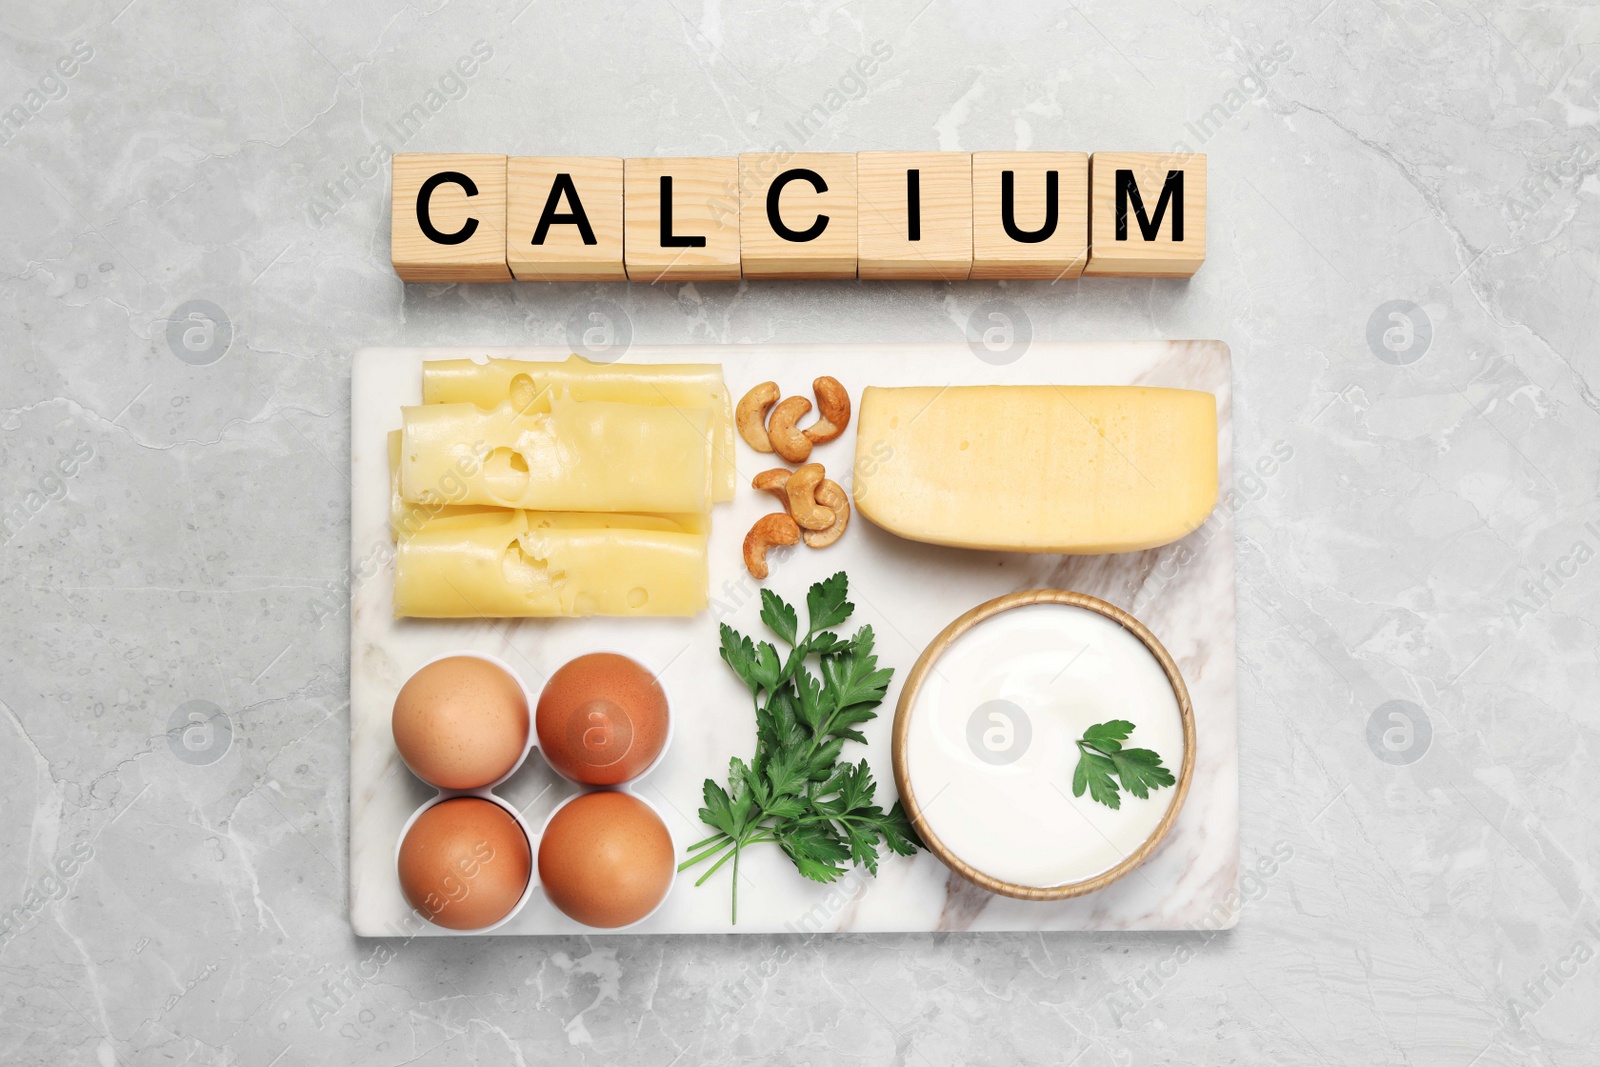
(406, 519)
(531, 385)
(1069, 469)
(578, 456)
(511, 564)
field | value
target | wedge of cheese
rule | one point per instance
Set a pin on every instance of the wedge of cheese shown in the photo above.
(511, 564)
(1069, 469)
(530, 386)
(579, 456)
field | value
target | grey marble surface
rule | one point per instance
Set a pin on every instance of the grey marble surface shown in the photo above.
(1422, 527)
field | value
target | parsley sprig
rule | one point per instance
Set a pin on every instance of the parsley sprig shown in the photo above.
(1102, 761)
(795, 791)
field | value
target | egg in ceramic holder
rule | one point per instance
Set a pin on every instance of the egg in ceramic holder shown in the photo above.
(467, 860)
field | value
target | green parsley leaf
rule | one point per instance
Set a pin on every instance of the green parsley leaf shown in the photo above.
(820, 765)
(739, 653)
(787, 771)
(786, 807)
(1105, 768)
(808, 693)
(1099, 774)
(767, 670)
(718, 810)
(826, 643)
(817, 850)
(1141, 771)
(779, 617)
(863, 841)
(898, 833)
(852, 676)
(1108, 736)
(826, 604)
(856, 786)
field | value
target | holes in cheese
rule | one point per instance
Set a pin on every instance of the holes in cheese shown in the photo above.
(577, 456)
(1069, 469)
(519, 564)
(530, 388)
(505, 474)
(406, 519)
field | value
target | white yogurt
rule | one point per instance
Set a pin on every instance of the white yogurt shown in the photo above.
(991, 746)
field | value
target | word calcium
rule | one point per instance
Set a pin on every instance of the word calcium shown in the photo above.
(943, 216)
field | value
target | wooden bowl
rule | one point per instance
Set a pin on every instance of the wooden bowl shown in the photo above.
(902, 729)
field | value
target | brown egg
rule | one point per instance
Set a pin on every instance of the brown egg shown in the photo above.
(464, 863)
(606, 859)
(602, 719)
(461, 722)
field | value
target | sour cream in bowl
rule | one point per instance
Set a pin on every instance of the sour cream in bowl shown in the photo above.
(986, 743)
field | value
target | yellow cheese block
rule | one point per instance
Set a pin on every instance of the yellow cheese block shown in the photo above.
(578, 456)
(1038, 468)
(406, 519)
(511, 565)
(530, 386)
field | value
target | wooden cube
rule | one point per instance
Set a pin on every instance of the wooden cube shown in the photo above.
(915, 213)
(1030, 214)
(797, 215)
(1147, 214)
(448, 218)
(682, 219)
(564, 219)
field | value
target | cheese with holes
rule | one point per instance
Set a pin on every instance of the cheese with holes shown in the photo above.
(1069, 469)
(530, 386)
(517, 564)
(589, 455)
(406, 518)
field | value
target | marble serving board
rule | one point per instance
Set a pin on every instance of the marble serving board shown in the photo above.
(907, 591)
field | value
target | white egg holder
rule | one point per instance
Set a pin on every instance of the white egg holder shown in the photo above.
(487, 792)
(908, 592)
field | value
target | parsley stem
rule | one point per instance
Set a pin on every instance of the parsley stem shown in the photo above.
(844, 817)
(707, 854)
(707, 841)
(726, 856)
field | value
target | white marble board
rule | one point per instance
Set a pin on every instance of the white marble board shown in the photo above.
(908, 592)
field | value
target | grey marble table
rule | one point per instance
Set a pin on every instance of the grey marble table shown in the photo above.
(1404, 212)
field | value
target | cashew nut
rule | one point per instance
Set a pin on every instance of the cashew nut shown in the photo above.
(833, 496)
(773, 481)
(751, 415)
(784, 436)
(769, 530)
(833, 411)
(802, 503)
